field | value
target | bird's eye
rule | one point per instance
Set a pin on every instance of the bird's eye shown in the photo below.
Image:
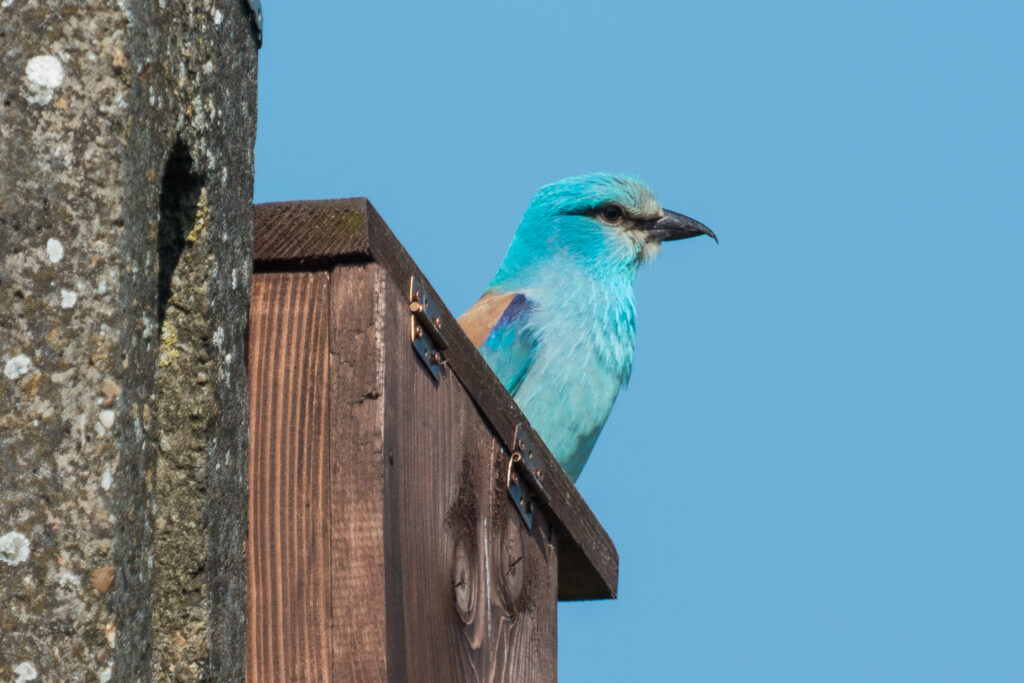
(612, 213)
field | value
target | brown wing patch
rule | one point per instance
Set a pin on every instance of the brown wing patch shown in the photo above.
(482, 316)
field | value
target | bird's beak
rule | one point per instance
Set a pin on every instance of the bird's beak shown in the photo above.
(675, 226)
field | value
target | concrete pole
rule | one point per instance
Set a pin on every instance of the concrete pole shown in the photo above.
(126, 167)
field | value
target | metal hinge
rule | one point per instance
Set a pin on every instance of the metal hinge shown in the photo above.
(427, 338)
(524, 465)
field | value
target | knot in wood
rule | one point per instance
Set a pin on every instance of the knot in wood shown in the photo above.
(464, 579)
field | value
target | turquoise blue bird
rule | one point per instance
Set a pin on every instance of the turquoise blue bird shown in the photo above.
(558, 322)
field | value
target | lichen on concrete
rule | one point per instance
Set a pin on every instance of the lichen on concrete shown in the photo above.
(93, 98)
(14, 548)
(45, 73)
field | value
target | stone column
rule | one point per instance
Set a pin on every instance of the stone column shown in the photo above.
(126, 167)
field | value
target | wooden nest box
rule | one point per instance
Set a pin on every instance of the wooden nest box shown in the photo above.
(406, 523)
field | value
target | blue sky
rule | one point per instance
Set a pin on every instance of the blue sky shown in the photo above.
(816, 473)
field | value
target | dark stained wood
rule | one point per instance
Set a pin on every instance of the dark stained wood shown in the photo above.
(310, 234)
(352, 229)
(472, 581)
(289, 568)
(357, 483)
(525, 596)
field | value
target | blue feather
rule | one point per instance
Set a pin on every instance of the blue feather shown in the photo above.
(509, 347)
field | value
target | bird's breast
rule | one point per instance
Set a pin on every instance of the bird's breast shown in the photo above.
(595, 323)
(583, 358)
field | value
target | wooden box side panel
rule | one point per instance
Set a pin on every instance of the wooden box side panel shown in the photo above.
(471, 592)
(289, 570)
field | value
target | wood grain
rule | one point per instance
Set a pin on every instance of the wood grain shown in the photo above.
(524, 601)
(357, 596)
(311, 235)
(289, 569)
(475, 588)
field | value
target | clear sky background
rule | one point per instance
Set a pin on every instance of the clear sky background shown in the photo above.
(817, 472)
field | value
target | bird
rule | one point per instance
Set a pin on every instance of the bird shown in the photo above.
(557, 324)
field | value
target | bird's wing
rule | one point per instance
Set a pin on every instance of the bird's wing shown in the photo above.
(497, 324)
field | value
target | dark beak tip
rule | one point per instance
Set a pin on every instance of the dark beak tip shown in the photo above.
(676, 226)
(701, 229)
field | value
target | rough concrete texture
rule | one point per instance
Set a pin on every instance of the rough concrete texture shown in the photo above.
(125, 250)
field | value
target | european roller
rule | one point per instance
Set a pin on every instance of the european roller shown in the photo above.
(558, 322)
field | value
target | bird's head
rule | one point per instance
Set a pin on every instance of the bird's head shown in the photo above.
(605, 223)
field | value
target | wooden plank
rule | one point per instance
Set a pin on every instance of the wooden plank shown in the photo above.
(436, 469)
(471, 593)
(289, 569)
(524, 594)
(310, 235)
(359, 632)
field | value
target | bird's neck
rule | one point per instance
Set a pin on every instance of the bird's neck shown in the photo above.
(596, 311)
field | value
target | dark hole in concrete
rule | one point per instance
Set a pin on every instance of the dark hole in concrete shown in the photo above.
(179, 197)
(184, 412)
